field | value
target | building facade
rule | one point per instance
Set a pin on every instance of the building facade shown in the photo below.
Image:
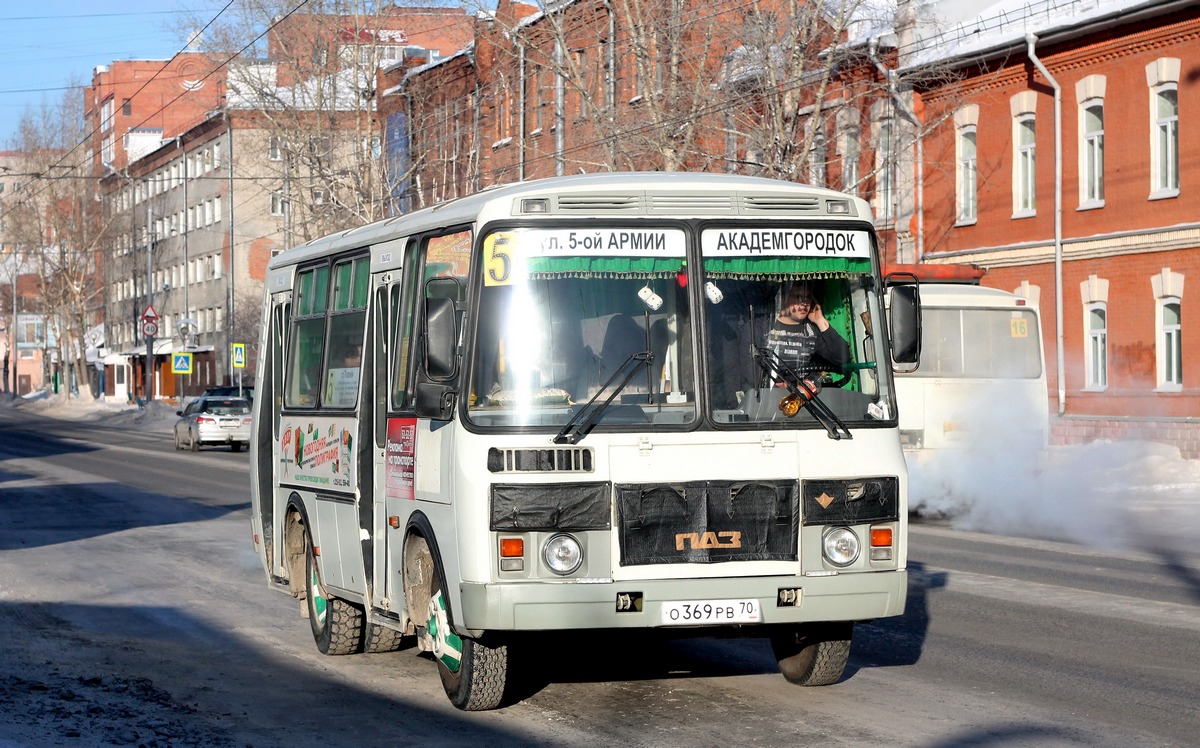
(1061, 158)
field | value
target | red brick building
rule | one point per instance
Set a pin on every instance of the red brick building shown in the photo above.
(133, 105)
(601, 86)
(1110, 216)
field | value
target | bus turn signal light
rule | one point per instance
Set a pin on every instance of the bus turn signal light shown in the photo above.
(881, 544)
(512, 547)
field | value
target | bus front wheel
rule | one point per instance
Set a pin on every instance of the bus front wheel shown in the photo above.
(813, 654)
(337, 624)
(473, 674)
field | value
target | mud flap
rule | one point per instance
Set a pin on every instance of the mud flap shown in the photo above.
(445, 644)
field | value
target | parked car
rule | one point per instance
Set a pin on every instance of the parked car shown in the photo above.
(246, 392)
(214, 420)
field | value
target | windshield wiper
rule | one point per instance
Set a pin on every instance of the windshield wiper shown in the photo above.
(585, 418)
(805, 390)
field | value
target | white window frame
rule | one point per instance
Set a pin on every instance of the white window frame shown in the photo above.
(818, 156)
(1091, 156)
(885, 169)
(274, 148)
(850, 155)
(278, 203)
(967, 179)
(1096, 346)
(1162, 76)
(1024, 166)
(1170, 345)
(1164, 144)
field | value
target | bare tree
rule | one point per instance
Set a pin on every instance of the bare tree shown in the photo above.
(52, 221)
(308, 74)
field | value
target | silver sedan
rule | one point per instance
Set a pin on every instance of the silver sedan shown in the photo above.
(214, 420)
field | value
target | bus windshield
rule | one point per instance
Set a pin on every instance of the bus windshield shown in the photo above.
(792, 306)
(569, 316)
(980, 343)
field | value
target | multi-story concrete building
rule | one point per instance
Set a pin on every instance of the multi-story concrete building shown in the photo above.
(249, 160)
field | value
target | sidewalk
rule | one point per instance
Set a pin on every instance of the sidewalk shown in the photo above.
(157, 417)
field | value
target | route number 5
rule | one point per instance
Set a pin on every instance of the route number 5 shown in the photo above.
(497, 260)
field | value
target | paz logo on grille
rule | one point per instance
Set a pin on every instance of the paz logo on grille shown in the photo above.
(698, 541)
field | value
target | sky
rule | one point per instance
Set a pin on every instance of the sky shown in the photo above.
(47, 43)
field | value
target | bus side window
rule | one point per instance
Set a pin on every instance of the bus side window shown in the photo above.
(347, 320)
(308, 337)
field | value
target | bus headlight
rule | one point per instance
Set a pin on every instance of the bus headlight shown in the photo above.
(563, 554)
(840, 546)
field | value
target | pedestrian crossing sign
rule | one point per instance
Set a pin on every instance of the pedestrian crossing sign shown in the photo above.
(239, 355)
(181, 363)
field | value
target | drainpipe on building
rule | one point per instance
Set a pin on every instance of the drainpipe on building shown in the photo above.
(889, 76)
(521, 123)
(1030, 41)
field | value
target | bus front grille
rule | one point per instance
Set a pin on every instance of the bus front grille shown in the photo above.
(561, 460)
(708, 522)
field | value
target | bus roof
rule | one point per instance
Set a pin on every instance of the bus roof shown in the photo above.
(935, 295)
(618, 194)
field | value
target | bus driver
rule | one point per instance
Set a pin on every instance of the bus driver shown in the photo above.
(801, 336)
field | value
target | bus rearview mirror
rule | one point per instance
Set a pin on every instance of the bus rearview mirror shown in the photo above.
(904, 323)
(440, 338)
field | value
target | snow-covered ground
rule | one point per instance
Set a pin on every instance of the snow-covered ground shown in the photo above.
(1128, 495)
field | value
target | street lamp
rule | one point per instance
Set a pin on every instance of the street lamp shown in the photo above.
(149, 386)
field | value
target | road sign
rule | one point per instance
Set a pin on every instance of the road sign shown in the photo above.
(150, 315)
(149, 328)
(181, 363)
(239, 355)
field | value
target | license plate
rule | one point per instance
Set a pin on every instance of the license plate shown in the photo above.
(229, 424)
(700, 612)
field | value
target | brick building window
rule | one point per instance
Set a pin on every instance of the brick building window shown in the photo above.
(850, 153)
(1162, 77)
(1168, 323)
(817, 158)
(885, 170)
(966, 180)
(1097, 345)
(966, 189)
(1025, 166)
(1091, 180)
(1166, 141)
(1170, 346)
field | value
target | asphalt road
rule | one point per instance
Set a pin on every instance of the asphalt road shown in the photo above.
(135, 613)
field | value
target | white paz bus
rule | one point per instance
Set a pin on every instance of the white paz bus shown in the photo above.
(980, 347)
(552, 407)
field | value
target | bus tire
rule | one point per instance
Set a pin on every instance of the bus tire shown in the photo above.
(381, 639)
(813, 654)
(474, 674)
(337, 625)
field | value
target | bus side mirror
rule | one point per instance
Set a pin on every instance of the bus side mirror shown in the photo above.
(904, 323)
(441, 338)
(435, 393)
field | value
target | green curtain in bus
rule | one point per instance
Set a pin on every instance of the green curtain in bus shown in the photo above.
(784, 268)
(639, 268)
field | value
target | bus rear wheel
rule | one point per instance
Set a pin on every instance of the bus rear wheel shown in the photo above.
(337, 625)
(473, 674)
(814, 654)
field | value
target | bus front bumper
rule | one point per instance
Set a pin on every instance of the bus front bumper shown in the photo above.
(546, 606)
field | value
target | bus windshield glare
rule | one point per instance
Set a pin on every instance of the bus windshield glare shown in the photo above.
(597, 325)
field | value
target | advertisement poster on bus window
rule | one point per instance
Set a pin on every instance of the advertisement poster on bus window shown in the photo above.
(318, 452)
(401, 458)
(449, 256)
